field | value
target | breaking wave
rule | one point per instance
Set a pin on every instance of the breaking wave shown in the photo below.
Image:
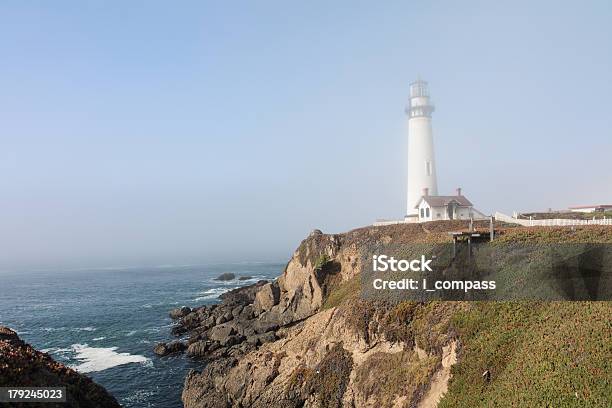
(212, 293)
(99, 358)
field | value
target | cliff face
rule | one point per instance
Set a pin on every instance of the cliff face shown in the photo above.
(308, 339)
(23, 366)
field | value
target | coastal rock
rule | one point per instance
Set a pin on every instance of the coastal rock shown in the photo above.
(247, 312)
(264, 326)
(225, 317)
(266, 297)
(213, 346)
(247, 330)
(241, 296)
(302, 284)
(193, 320)
(199, 348)
(243, 278)
(179, 330)
(257, 311)
(210, 322)
(221, 332)
(267, 337)
(22, 365)
(179, 312)
(161, 349)
(8, 335)
(164, 349)
(232, 340)
(315, 232)
(226, 277)
(237, 310)
(259, 339)
(176, 346)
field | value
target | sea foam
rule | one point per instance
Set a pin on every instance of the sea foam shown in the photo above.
(99, 358)
(212, 293)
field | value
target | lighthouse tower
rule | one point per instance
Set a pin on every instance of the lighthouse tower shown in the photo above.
(421, 162)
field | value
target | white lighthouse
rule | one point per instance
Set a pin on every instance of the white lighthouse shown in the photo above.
(421, 162)
(423, 202)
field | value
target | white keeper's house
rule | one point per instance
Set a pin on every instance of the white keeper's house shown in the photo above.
(455, 207)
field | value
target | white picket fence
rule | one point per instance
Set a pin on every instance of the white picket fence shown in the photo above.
(381, 223)
(556, 222)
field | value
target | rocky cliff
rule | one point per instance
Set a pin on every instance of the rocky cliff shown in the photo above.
(309, 339)
(23, 366)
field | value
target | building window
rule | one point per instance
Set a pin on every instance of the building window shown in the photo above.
(422, 212)
(427, 212)
(428, 168)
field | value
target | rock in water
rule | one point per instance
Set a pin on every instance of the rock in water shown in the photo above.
(226, 277)
(22, 365)
(179, 312)
(163, 349)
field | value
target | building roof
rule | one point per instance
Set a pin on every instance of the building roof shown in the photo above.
(442, 201)
(578, 207)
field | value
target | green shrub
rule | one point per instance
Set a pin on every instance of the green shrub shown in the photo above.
(349, 289)
(321, 261)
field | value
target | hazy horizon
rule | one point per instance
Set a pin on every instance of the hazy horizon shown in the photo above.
(144, 134)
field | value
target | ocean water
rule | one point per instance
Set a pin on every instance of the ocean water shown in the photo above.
(105, 322)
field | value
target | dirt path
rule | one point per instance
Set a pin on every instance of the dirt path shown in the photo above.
(439, 382)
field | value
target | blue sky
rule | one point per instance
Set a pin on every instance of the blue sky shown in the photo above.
(148, 132)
